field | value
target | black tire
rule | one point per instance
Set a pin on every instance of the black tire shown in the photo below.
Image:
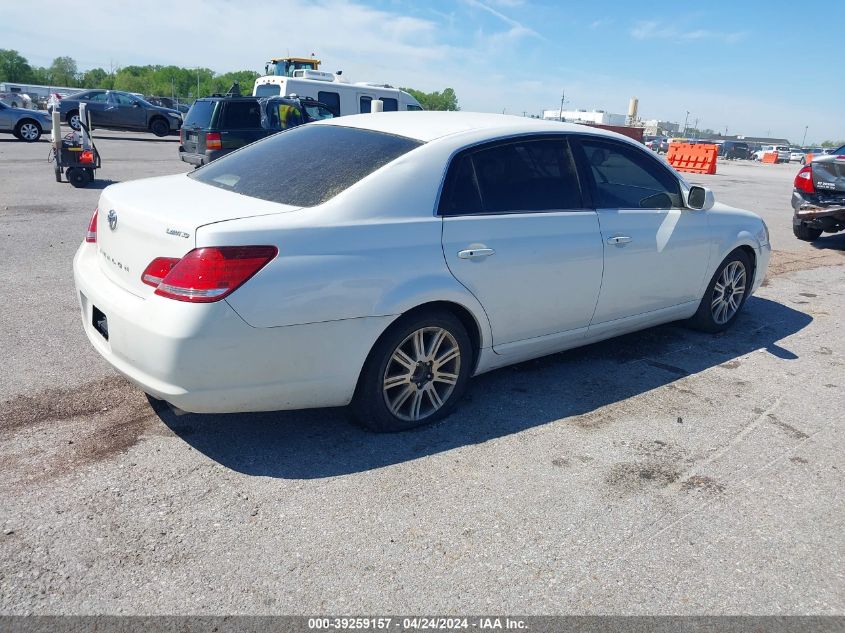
(28, 131)
(159, 127)
(704, 318)
(72, 120)
(58, 172)
(369, 405)
(79, 177)
(806, 233)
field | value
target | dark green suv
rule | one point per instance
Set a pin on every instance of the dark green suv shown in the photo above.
(215, 126)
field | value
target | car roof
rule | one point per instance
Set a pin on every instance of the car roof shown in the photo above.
(427, 125)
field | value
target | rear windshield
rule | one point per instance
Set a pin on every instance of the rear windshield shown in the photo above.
(200, 114)
(304, 166)
(267, 90)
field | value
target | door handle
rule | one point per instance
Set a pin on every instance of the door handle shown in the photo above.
(618, 239)
(475, 253)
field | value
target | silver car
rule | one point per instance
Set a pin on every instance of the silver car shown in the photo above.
(26, 125)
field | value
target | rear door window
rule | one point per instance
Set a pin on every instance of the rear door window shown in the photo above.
(366, 105)
(626, 177)
(332, 101)
(306, 165)
(241, 115)
(200, 114)
(522, 176)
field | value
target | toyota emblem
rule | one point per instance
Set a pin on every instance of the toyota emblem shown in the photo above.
(112, 219)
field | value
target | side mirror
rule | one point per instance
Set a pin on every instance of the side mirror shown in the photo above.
(700, 198)
(135, 104)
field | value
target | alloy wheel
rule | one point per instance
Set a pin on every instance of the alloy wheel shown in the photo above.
(29, 131)
(422, 373)
(728, 292)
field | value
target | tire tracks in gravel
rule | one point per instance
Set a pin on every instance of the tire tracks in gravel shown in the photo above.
(55, 432)
(784, 262)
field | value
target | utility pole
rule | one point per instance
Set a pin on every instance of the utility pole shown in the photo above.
(686, 119)
(562, 101)
(804, 140)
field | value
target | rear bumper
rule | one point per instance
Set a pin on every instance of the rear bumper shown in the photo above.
(201, 159)
(204, 358)
(820, 211)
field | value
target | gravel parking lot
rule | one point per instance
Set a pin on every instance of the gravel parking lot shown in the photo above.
(664, 472)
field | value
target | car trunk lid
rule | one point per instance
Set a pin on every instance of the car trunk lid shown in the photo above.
(158, 217)
(829, 175)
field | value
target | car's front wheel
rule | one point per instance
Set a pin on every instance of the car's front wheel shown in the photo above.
(725, 295)
(73, 120)
(415, 374)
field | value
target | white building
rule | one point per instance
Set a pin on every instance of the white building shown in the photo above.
(656, 128)
(583, 116)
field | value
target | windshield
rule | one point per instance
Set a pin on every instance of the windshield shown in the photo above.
(304, 166)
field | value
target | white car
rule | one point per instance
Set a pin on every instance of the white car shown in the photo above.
(381, 260)
(797, 155)
(784, 153)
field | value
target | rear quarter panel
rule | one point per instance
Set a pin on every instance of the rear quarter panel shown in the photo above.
(373, 250)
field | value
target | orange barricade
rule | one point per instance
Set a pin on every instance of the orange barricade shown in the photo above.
(693, 158)
(770, 158)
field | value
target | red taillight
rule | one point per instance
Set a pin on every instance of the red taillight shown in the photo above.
(155, 273)
(208, 274)
(213, 141)
(804, 180)
(91, 235)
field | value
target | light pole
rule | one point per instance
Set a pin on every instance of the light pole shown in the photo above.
(804, 140)
(686, 120)
(562, 101)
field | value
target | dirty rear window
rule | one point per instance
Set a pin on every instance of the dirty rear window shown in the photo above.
(200, 114)
(304, 166)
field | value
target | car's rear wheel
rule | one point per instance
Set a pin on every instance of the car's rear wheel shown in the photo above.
(73, 120)
(28, 131)
(160, 127)
(806, 233)
(725, 295)
(415, 374)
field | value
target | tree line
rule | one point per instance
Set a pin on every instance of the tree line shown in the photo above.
(161, 81)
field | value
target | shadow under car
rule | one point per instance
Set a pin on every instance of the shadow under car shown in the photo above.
(320, 443)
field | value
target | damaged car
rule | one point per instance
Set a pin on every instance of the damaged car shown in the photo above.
(819, 196)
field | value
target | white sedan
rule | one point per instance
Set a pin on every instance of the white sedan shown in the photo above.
(381, 260)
